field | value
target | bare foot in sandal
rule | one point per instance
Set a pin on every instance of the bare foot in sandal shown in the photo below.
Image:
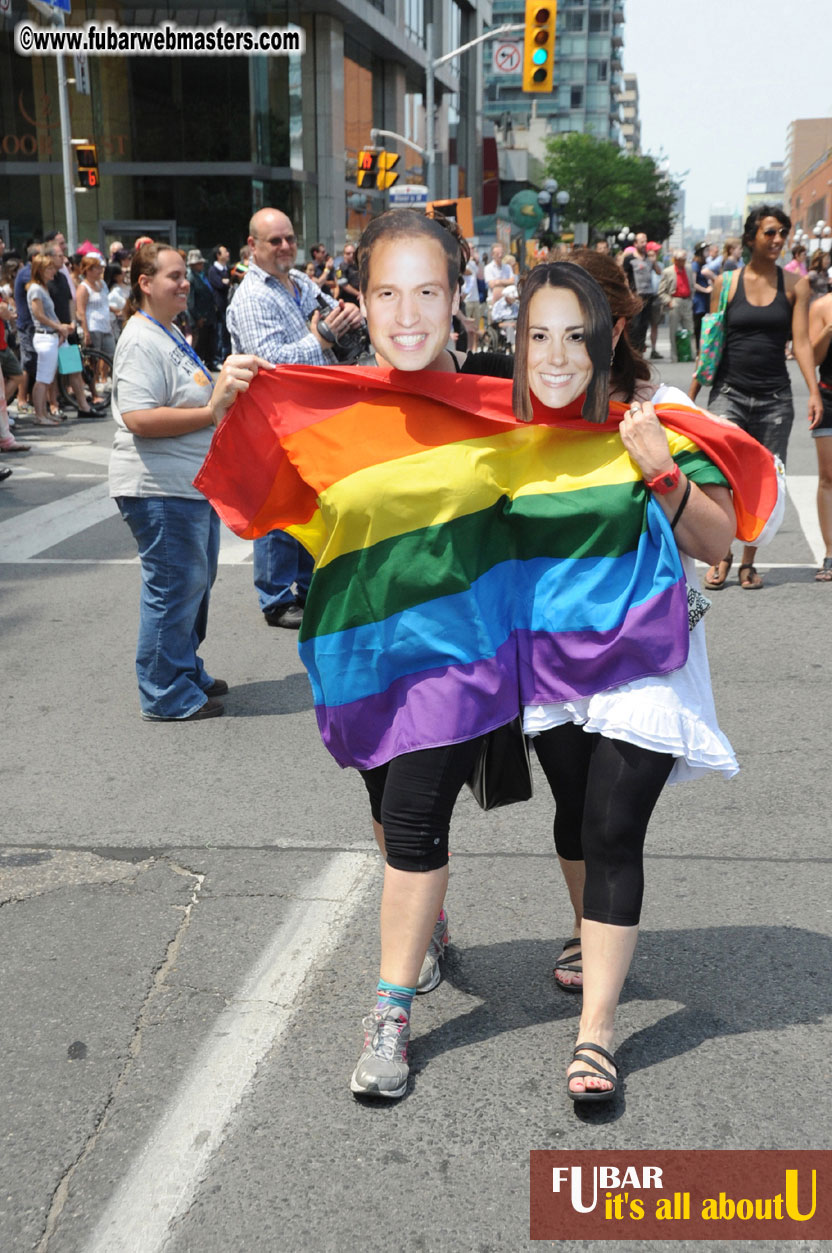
(568, 968)
(716, 575)
(750, 581)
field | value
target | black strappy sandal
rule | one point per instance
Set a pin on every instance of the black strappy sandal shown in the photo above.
(597, 1071)
(566, 963)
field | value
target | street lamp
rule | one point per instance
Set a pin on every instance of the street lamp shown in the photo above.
(547, 198)
(625, 236)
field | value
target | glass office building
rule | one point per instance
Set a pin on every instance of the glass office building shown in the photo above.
(190, 145)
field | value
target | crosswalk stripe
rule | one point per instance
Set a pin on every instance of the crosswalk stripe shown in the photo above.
(803, 493)
(35, 530)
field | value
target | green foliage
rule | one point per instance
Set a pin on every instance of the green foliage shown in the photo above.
(609, 188)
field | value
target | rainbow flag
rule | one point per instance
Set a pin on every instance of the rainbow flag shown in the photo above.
(466, 564)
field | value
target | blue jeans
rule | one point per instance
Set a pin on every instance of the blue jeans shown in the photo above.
(280, 562)
(179, 541)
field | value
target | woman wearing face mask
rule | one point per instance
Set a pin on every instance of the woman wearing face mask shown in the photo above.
(453, 553)
(608, 755)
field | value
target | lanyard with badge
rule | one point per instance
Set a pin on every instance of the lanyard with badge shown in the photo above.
(185, 347)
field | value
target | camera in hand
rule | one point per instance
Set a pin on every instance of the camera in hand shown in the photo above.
(352, 345)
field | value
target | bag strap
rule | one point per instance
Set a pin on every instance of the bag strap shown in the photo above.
(725, 292)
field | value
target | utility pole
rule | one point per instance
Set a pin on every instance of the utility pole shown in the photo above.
(431, 67)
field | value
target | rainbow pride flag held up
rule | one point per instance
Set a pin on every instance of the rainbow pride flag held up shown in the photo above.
(466, 564)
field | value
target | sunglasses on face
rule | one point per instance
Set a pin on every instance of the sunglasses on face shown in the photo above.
(770, 232)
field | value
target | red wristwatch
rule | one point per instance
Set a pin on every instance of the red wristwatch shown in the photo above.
(664, 483)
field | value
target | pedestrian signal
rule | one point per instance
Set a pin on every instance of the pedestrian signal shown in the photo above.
(367, 167)
(539, 47)
(385, 177)
(86, 157)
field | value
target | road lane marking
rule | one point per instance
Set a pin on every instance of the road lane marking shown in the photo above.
(803, 493)
(167, 1172)
(35, 530)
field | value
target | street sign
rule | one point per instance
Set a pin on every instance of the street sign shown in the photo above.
(408, 194)
(508, 58)
(47, 7)
(82, 74)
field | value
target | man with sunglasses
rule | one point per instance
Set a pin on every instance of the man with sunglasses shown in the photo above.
(274, 315)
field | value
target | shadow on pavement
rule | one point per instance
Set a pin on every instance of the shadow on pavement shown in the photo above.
(290, 695)
(729, 980)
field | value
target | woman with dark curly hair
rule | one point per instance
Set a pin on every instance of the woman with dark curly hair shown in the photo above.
(766, 308)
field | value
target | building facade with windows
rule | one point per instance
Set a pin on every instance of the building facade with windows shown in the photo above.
(765, 187)
(588, 67)
(630, 120)
(190, 146)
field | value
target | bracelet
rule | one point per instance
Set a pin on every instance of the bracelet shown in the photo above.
(677, 515)
(665, 482)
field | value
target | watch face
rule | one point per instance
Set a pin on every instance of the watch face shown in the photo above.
(668, 480)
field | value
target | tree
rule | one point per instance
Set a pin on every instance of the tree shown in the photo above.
(609, 188)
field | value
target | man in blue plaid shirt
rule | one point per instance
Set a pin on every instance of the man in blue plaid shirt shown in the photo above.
(274, 314)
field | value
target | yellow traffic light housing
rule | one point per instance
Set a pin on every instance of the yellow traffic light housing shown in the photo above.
(387, 161)
(539, 46)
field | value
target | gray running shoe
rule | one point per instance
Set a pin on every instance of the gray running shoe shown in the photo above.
(430, 974)
(382, 1068)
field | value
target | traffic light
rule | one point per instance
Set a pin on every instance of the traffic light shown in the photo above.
(86, 156)
(539, 46)
(367, 167)
(386, 163)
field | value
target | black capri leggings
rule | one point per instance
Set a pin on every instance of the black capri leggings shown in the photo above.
(605, 792)
(413, 797)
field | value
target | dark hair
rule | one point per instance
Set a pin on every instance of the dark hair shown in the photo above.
(597, 336)
(405, 224)
(47, 239)
(798, 250)
(628, 365)
(755, 217)
(215, 253)
(145, 261)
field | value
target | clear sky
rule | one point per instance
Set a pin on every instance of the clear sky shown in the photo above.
(720, 80)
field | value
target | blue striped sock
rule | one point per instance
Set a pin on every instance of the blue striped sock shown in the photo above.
(394, 994)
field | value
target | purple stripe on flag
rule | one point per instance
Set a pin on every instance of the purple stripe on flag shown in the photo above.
(450, 704)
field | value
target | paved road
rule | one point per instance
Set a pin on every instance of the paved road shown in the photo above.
(188, 928)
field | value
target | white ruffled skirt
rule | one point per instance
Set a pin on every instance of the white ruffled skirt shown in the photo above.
(670, 713)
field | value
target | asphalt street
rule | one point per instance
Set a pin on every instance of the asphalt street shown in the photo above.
(188, 922)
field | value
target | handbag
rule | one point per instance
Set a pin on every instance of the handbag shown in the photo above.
(712, 338)
(502, 774)
(69, 359)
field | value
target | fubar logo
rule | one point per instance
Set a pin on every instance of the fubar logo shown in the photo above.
(681, 1195)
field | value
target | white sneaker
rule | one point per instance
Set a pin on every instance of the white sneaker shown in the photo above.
(382, 1068)
(430, 975)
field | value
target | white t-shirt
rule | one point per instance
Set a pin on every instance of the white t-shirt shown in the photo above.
(503, 273)
(151, 371)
